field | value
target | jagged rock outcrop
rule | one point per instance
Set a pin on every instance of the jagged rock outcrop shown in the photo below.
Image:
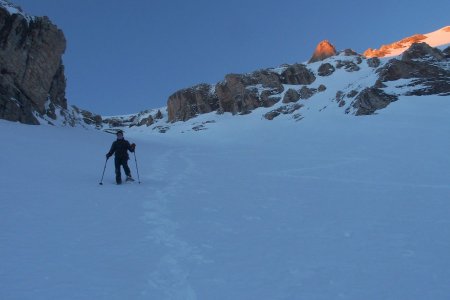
(297, 74)
(427, 69)
(321, 88)
(350, 52)
(187, 103)
(324, 50)
(373, 62)
(398, 69)
(352, 93)
(291, 95)
(306, 93)
(340, 98)
(32, 81)
(158, 115)
(88, 117)
(348, 65)
(370, 100)
(143, 118)
(237, 94)
(285, 109)
(146, 121)
(424, 65)
(268, 79)
(422, 51)
(325, 69)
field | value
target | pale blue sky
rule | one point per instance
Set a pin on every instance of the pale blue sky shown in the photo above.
(127, 56)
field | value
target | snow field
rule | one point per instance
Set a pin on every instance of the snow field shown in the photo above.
(337, 207)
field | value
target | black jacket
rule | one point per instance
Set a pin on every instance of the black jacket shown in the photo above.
(120, 148)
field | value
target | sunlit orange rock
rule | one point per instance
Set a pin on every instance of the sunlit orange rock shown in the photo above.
(324, 50)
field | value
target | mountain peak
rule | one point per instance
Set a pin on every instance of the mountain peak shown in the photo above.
(323, 50)
(434, 39)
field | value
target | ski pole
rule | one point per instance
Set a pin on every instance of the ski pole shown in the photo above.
(104, 168)
(137, 170)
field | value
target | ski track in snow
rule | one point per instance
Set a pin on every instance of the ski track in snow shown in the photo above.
(171, 276)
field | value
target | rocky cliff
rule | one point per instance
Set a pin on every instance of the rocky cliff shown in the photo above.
(32, 80)
(237, 93)
(423, 69)
(344, 80)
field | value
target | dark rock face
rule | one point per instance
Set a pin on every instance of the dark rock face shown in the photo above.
(348, 65)
(237, 94)
(242, 93)
(88, 117)
(159, 115)
(143, 118)
(291, 95)
(285, 109)
(398, 69)
(349, 52)
(32, 75)
(425, 66)
(187, 103)
(352, 94)
(340, 98)
(326, 69)
(422, 51)
(324, 50)
(146, 121)
(371, 99)
(269, 97)
(306, 93)
(267, 79)
(321, 88)
(373, 62)
(234, 95)
(297, 74)
(446, 52)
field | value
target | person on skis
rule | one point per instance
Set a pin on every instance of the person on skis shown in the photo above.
(120, 148)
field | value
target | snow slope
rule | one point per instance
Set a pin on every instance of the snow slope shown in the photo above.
(331, 207)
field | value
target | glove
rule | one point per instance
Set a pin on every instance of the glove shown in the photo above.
(108, 155)
(133, 146)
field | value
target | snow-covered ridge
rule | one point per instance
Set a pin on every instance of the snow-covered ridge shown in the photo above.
(352, 80)
(14, 9)
(434, 39)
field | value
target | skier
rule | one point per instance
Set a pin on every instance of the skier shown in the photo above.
(120, 148)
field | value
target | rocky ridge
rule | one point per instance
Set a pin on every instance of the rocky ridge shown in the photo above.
(396, 48)
(32, 81)
(424, 69)
(294, 90)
